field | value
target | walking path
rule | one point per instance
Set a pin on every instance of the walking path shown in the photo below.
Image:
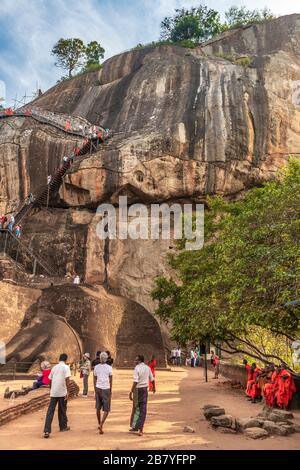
(180, 395)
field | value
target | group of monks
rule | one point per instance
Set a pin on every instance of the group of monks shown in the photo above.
(275, 384)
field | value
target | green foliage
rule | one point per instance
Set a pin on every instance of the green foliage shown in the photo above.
(186, 44)
(90, 68)
(93, 53)
(71, 54)
(201, 23)
(243, 61)
(248, 269)
(241, 16)
(196, 24)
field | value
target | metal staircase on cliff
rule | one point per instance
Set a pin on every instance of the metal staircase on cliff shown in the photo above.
(20, 253)
(12, 246)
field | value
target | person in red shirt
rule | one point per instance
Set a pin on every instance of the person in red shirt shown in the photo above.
(216, 363)
(152, 364)
(43, 376)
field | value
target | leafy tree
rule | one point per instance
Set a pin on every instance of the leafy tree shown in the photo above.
(93, 53)
(246, 272)
(197, 24)
(201, 23)
(72, 54)
(241, 16)
(69, 54)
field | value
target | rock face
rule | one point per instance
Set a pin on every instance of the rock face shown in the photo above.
(76, 319)
(186, 124)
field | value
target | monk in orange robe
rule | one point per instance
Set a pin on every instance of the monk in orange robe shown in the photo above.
(253, 389)
(286, 387)
(270, 386)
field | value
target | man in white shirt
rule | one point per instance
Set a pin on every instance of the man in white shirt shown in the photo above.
(103, 374)
(178, 356)
(173, 356)
(60, 379)
(139, 394)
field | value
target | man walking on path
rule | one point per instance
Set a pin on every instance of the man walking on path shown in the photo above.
(139, 394)
(60, 379)
(103, 373)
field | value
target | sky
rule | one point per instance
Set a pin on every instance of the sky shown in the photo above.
(30, 28)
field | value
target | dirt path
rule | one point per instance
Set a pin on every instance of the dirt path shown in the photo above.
(180, 396)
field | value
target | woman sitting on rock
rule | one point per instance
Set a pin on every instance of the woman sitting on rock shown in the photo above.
(43, 376)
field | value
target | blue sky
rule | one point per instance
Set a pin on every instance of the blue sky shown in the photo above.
(30, 28)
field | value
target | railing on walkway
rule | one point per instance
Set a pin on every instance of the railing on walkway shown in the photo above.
(21, 254)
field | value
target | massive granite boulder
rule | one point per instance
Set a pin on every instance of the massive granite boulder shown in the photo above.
(75, 319)
(186, 124)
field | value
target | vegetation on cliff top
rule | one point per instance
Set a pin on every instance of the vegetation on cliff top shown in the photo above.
(235, 289)
(190, 27)
(71, 54)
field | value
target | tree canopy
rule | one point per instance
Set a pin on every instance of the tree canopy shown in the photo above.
(196, 24)
(242, 278)
(241, 16)
(201, 23)
(72, 54)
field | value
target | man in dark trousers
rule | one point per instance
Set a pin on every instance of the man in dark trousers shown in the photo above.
(60, 379)
(139, 394)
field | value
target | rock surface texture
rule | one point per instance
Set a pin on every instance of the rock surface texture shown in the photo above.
(186, 124)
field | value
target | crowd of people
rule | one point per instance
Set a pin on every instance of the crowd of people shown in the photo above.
(273, 383)
(88, 132)
(102, 369)
(11, 225)
(68, 123)
(176, 356)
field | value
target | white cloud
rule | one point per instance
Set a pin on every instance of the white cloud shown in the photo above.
(34, 26)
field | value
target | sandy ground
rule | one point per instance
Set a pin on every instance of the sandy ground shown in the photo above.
(180, 395)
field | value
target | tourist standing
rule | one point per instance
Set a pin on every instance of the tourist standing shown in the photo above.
(18, 231)
(178, 356)
(216, 364)
(173, 356)
(76, 280)
(139, 394)
(96, 361)
(85, 370)
(152, 364)
(11, 223)
(110, 360)
(60, 379)
(103, 373)
(192, 356)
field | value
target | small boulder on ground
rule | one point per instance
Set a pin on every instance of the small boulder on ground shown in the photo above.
(225, 421)
(245, 423)
(188, 429)
(214, 411)
(296, 427)
(280, 415)
(256, 433)
(273, 428)
(226, 430)
(289, 428)
(205, 407)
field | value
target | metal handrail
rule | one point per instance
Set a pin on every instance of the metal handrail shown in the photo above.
(42, 263)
